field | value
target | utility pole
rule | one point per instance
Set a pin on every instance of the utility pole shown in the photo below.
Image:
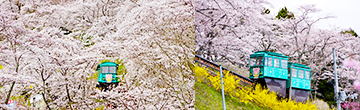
(222, 88)
(336, 82)
(290, 73)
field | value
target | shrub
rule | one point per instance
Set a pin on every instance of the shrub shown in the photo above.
(350, 105)
(263, 97)
(259, 96)
(229, 82)
(200, 74)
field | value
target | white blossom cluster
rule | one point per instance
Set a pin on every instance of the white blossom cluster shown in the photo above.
(52, 47)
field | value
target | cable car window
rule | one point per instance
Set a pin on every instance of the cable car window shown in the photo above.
(105, 69)
(112, 69)
(252, 61)
(284, 63)
(259, 61)
(266, 60)
(269, 61)
(294, 73)
(276, 62)
(97, 67)
(301, 73)
(307, 74)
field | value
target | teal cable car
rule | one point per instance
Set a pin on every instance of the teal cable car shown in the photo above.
(270, 69)
(107, 72)
(275, 72)
(299, 81)
(264, 64)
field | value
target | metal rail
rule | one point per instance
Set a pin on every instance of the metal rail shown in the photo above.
(202, 61)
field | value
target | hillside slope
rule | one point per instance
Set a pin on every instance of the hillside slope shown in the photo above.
(208, 98)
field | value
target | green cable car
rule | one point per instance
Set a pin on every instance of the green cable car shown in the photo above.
(107, 74)
(264, 64)
(299, 81)
(273, 70)
(270, 69)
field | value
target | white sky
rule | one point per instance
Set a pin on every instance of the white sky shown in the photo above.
(347, 12)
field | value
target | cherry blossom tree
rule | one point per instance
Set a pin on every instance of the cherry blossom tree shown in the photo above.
(230, 31)
(14, 50)
(57, 44)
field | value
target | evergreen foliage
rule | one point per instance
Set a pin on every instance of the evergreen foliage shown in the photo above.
(285, 14)
(326, 92)
(350, 31)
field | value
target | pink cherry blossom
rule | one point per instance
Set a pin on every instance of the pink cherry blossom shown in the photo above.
(57, 44)
(350, 63)
(358, 68)
(357, 84)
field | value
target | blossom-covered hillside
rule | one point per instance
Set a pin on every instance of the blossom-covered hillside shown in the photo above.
(52, 48)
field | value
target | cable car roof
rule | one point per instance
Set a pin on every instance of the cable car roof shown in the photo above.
(267, 53)
(298, 65)
(108, 64)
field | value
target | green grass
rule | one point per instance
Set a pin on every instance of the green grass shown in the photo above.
(207, 98)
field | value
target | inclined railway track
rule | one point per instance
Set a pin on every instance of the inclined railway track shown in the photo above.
(211, 65)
